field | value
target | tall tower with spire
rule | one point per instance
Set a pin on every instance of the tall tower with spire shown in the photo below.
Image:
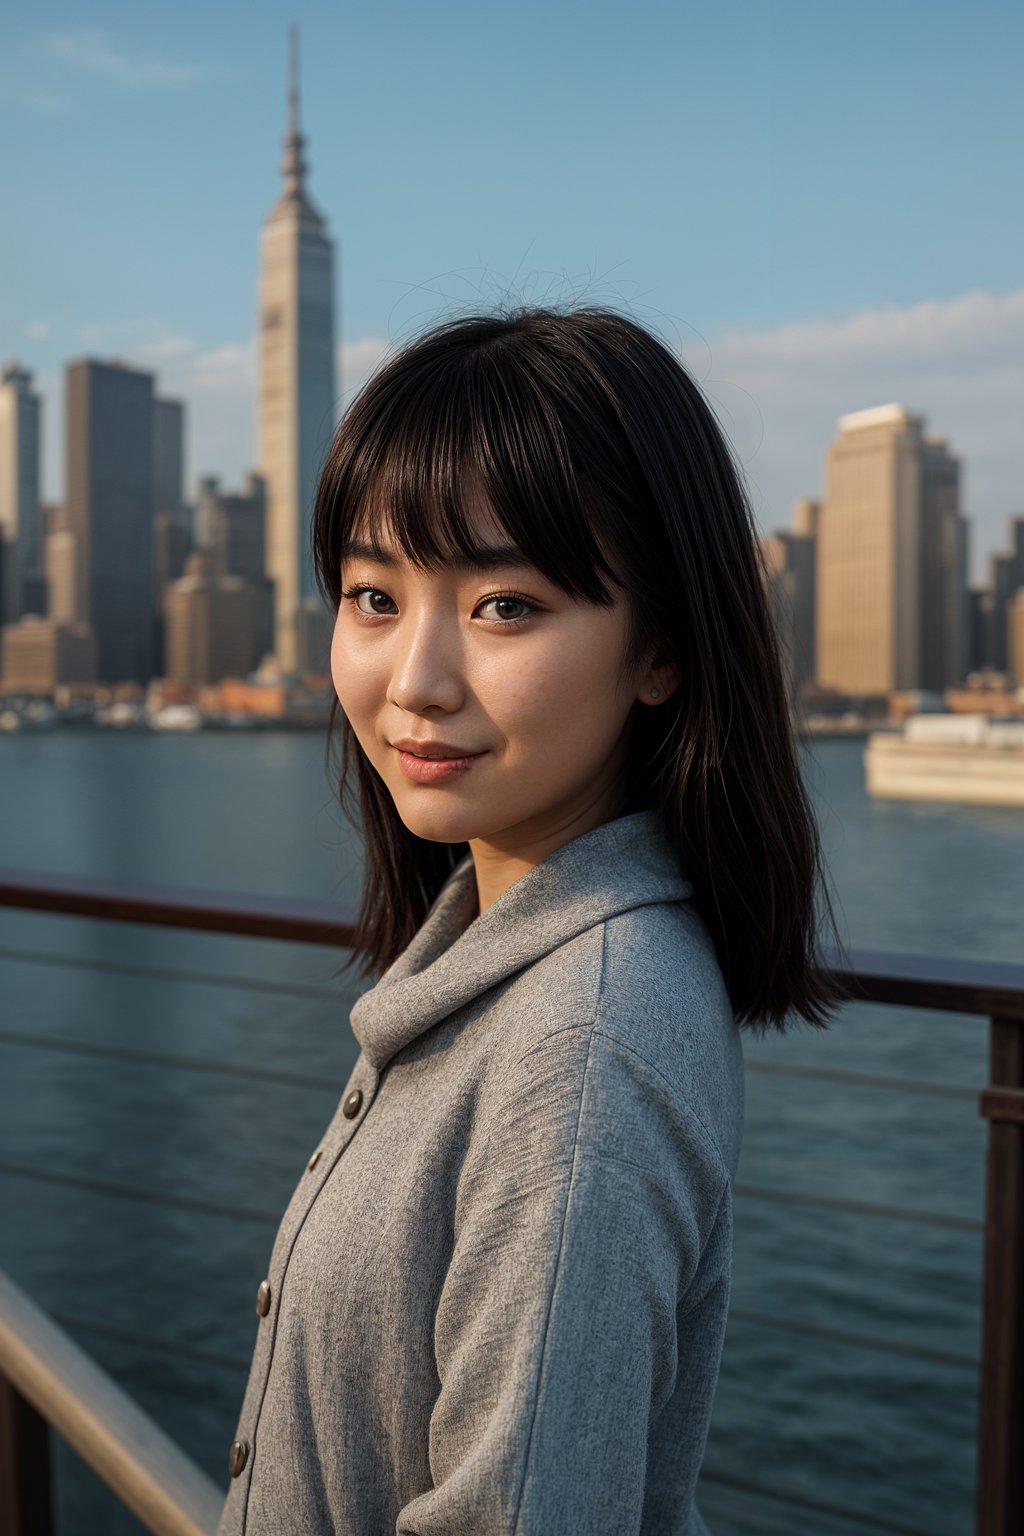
(296, 393)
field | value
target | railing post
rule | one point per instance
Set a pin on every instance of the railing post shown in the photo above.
(25, 1495)
(1000, 1493)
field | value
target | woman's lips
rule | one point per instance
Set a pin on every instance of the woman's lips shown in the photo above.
(424, 770)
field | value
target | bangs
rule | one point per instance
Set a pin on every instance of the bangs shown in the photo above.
(427, 436)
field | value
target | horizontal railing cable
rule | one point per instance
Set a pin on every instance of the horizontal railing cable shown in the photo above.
(173, 973)
(169, 1059)
(133, 1192)
(859, 1207)
(149, 1341)
(865, 1518)
(861, 1079)
(855, 1340)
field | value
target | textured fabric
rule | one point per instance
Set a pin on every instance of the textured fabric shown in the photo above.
(498, 1299)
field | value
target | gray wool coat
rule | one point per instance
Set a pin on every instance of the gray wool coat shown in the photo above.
(497, 1299)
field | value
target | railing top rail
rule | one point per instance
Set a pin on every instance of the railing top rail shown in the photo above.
(144, 1467)
(993, 988)
(986, 987)
(234, 912)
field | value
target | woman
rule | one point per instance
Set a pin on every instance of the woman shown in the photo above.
(497, 1300)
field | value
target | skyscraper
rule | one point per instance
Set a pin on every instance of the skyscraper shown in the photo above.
(789, 568)
(296, 389)
(109, 509)
(1006, 577)
(891, 573)
(168, 456)
(20, 439)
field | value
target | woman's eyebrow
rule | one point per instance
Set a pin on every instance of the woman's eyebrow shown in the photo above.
(485, 557)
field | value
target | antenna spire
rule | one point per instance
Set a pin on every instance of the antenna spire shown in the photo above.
(293, 165)
(293, 78)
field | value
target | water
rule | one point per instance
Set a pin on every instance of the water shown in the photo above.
(131, 1062)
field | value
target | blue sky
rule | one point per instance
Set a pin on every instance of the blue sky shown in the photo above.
(818, 204)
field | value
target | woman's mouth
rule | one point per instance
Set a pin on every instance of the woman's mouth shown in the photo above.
(434, 770)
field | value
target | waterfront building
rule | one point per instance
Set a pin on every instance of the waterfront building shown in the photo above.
(296, 387)
(38, 654)
(20, 451)
(210, 628)
(891, 562)
(109, 489)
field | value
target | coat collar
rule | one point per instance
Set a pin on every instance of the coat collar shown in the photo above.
(458, 953)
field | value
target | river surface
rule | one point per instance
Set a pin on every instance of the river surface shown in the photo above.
(160, 1093)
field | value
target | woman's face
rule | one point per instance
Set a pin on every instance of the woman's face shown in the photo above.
(499, 665)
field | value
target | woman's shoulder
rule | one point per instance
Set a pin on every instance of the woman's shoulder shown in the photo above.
(640, 998)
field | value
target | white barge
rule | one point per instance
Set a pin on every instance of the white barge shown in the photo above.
(975, 759)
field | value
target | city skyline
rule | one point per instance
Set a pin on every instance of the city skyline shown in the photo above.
(808, 330)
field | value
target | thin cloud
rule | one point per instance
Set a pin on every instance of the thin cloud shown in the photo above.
(29, 98)
(959, 362)
(90, 53)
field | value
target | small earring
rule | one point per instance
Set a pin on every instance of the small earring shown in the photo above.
(655, 692)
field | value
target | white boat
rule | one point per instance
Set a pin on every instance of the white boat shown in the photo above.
(973, 759)
(176, 717)
(123, 713)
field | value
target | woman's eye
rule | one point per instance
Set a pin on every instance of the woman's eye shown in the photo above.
(503, 604)
(355, 593)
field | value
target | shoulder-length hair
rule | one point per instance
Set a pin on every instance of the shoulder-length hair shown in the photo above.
(602, 461)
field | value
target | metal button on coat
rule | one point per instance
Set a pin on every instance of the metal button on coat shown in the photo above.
(314, 1159)
(353, 1104)
(238, 1456)
(263, 1298)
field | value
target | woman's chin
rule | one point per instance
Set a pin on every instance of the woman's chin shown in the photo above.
(440, 823)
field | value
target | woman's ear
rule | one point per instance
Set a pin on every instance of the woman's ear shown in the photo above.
(660, 681)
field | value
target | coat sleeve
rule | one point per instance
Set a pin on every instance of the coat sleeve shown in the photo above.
(581, 1229)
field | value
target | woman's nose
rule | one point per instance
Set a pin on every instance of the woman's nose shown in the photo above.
(426, 669)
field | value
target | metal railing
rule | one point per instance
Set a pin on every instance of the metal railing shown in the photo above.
(46, 1380)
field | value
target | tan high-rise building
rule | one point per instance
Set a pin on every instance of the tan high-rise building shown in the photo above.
(805, 517)
(296, 388)
(1015, 627)
(891, 567)
(62, 586)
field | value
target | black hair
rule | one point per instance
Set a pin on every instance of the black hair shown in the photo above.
(604, 463)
